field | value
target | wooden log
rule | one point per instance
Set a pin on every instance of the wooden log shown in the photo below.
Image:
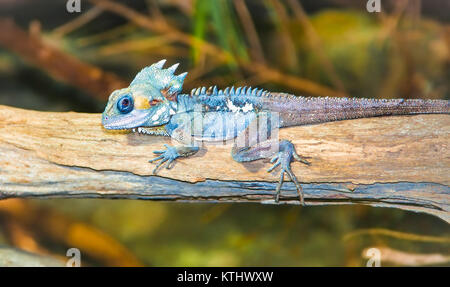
(12, 257)
(400, 162)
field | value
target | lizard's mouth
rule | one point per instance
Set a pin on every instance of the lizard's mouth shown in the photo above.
(132, 120)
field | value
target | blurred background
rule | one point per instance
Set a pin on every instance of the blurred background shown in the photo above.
(53, 60)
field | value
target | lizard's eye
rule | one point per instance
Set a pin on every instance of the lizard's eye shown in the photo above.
(125, 104)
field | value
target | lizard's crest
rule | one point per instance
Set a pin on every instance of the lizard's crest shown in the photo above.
(149, 101)
(161, 79)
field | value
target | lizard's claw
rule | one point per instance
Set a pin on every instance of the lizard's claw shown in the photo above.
(165, 156)
(284, 157)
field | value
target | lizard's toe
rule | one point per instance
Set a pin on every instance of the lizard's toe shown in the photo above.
(167, 156)
(277, 163)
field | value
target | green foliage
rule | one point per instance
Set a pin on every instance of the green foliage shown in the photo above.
(215, 19)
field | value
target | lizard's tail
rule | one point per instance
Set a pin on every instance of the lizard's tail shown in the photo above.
(419, 106)
(310, 110)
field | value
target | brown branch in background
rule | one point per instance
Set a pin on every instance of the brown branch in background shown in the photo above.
(185, 6)
(158, 26)
(111, 34)
(154, 11)
(271, 75)
(21, 237)
(266, 73)
(289, 55)
(203, 67)
(390, 22)
(252, 81)
(126, 46)
(57, 63)
(315, 43)
(402, 258)
(398, 235)
(58, 228)
(249, 28)
(78, 22)
(400, 61)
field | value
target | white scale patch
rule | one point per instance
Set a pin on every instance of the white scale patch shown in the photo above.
(246, 108)
(158, 113)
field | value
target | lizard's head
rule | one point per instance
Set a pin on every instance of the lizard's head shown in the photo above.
(149, 101)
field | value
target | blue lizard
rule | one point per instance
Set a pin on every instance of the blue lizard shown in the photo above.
(153, 104)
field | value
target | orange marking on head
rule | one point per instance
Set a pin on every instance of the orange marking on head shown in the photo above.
(155, 102)
(141, 103)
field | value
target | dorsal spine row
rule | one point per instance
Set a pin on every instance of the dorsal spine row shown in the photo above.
(240, 91)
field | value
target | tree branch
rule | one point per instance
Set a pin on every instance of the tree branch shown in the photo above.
(56, 62)
(400, 162)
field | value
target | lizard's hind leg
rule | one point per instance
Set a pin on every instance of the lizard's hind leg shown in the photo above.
(283, 157)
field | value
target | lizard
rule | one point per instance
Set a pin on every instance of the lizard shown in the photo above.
(154, 104)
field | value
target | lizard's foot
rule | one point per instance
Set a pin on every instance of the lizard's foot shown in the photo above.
(284, 157)
(166, 156)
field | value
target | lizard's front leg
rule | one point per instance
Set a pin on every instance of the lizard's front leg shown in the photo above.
(283, 157)
(171, 153)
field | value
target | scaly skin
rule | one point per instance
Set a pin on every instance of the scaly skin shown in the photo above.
(153, 104)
